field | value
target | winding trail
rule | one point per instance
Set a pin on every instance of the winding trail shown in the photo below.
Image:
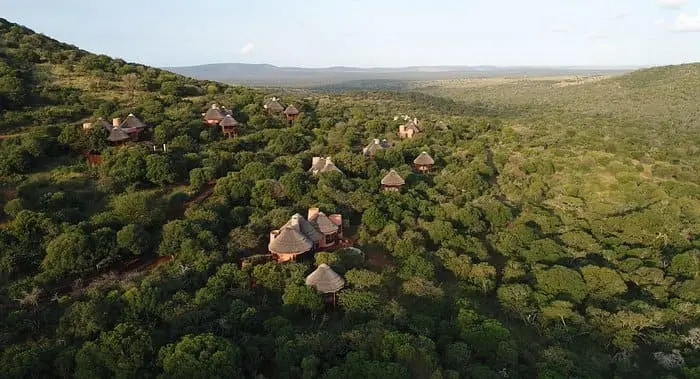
(145, 263)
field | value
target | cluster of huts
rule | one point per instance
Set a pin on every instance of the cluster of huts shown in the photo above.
(223, 117)
(275, 105)
(301, 235)
(120, 131)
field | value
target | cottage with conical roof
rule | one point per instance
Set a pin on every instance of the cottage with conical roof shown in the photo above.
(375, 146)
(228, 126)
(330, 226)
(424, 162)
(410, 129)
(300, 235)
(275, 105)
(392, 181)
(320, 165)
(291, 112)
(214, 115)
(325, 280)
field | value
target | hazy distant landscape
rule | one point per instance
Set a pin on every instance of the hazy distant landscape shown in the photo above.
(269, 75)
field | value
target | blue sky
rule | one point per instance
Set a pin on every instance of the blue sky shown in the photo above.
(371, 33)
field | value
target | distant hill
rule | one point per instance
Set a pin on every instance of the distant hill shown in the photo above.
(266, 75)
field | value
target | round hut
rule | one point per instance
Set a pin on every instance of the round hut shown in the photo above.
(325, 280)
(291, 112)
(228, 126)
(424, 162)
(214, 115)
(392, 181)
(287, 243)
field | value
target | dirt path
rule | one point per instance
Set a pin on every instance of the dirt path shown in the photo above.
(6, 136)
(144, 263)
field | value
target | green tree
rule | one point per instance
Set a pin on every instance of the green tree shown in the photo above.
(355, 301)
(686, 265)
(145, 208)
(563, 282)
(160, 169)
(603, 283)
(361, 278)
(302, 296)
(134, 239)
(200, 356)
(68, 253)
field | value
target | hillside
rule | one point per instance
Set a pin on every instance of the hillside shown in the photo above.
(529, 229)
(269, 75)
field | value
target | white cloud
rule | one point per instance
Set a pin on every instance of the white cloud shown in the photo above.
(659, 22)
(687, 23)
(672, 3)
(246, 49)
(559, 29)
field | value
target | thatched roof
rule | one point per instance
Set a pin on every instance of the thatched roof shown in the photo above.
(412, 124)
(117, 135)
(291, 111)
(424, 159)
(325, 280)
(229, 122)
(214, 113)
(275, 105)
(104, 124)
(132, 122)
(393, 179)
(290, 240)
(375, 146)
(322, 165)
(301, 224)
(321, 222)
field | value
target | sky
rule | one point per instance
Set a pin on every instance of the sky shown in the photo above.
(373, 33)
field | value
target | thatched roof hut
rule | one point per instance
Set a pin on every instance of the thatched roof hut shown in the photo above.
(376, 145)
(229, 122)
(132, 122)
(117, 135)
(291, 111)
(322, 223)
(424, 159)
(214, 114)
(102, 122)
(323, 165)
(325, 280)
(289, 240)
(299, 223)
(275, 105)
(393, 179)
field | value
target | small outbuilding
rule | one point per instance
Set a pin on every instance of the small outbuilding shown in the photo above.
(392, 181)
(275, 105)
(325, 280)
(291, 112)
(228, 126)
(320, 165)
(424, 162)
(288, 243)
(330, 226)
(214, 115)
(410, 129)
(375, 146)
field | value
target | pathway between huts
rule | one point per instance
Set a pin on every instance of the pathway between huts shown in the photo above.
(144, 263)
